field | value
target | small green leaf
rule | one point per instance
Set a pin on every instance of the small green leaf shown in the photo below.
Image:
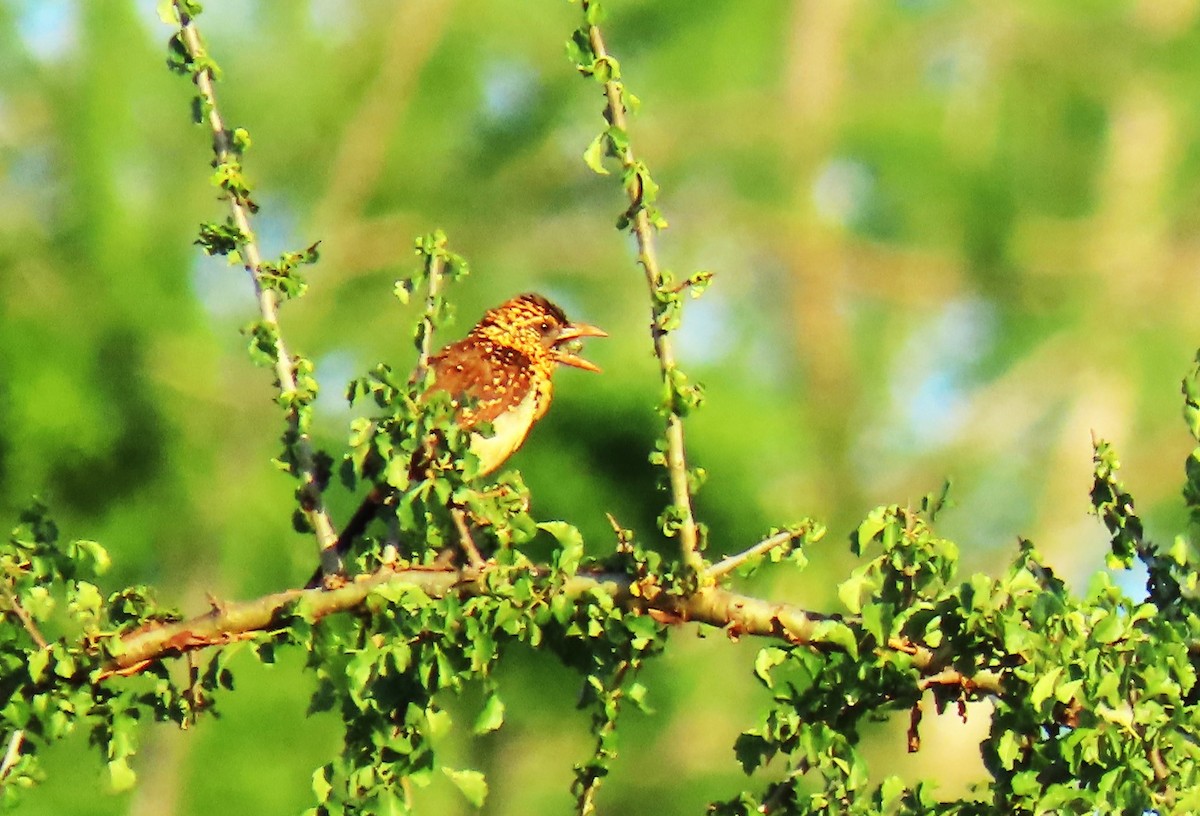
(320, 783)
(838, 634)
(1179, 550)
(861, 585)
(890, 793)
(570, 540)
(121, 775)
(471, 784)
(167, 12)
(38, 661)
(1008, 750)
(767, 659)
(752, 750)
(593, 157)
(492, 715)
(1044, 687)
(439, 722)
(1108, 629)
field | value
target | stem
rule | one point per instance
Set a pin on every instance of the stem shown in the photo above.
(434, 266)
(590, 786)
(26, 621)
(643, 231)
(464, 538)
(727, 565)
(311, 502)
(12, 753)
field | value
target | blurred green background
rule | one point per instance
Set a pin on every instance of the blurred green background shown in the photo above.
(950, 238)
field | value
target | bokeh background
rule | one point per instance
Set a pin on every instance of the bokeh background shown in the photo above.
(951, 239)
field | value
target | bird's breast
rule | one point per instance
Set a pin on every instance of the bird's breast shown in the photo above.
(510, 427)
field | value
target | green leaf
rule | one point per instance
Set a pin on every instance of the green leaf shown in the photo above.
(1179, 550)
(767, 659)
(870, 528)
(890, 793)
(1008, 750)
(38, 661)
(320, 783)
(471, 784)
(636, 693)
(492, 715)
(838, 634)
(1108, 629)
(1044, 687)
(439, 722)
(751, 750)
(593, 157)
(861, 585)
(167, 12)
(570, 541)
(120, 775)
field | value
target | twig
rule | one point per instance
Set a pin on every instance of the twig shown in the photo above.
(915, 715)
(434, 266)
(13, 753)
(947, 677)
(783, 789)
(26, 621)
(590, 786)
(1161, 771)
(312, 504)
(464, 538)
(676, 459)
(729, 564)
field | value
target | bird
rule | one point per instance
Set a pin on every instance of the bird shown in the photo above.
(501, 372)
(499, 375)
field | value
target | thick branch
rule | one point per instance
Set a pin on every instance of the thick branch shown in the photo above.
(681, 494)
(737, 613)
(312, 504)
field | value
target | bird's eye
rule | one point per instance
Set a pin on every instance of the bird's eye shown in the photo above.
(545, 327)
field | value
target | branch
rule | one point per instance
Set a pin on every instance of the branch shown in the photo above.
(729, 564)
(676, 460)
(26, 621)
(434, 265)
(311, 502)
(464, 537)
(736, 613)
(12, 753)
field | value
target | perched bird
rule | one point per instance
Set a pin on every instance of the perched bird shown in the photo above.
(499, 374)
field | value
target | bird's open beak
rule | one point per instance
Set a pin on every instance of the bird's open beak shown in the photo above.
(566, 348)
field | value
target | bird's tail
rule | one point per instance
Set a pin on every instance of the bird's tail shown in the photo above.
(354, 528)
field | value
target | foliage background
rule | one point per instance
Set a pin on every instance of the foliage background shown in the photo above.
(950, 239)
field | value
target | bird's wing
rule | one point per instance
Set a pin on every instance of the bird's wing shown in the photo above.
(491, 377)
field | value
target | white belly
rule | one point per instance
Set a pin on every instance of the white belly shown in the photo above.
(509, 431)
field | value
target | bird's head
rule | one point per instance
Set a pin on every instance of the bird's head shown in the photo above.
(535, 326)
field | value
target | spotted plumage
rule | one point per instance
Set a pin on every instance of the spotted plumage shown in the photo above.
(500, 373)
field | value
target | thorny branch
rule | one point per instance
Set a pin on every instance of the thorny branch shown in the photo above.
(643, 231)
(312, 504)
